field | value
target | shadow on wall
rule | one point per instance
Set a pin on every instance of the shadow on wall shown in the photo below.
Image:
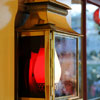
(21, 15)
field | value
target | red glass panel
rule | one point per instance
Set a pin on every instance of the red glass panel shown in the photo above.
(39, 70)
(31, 67)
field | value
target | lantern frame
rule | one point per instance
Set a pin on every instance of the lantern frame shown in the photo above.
(42, 22)
(49, 61)
(70, 97)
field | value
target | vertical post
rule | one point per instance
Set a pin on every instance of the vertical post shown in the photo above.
(84, 58)
(16, 66)
(47, 65)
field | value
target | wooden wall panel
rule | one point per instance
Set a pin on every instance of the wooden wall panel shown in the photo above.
(8, 9)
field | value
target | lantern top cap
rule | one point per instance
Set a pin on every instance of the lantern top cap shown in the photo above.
(47, 14)
(48, 1)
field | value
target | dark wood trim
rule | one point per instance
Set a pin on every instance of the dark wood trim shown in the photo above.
(94, 3)
(16, 65)
(84, 57)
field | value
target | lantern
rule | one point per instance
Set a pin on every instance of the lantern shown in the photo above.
(47, 53)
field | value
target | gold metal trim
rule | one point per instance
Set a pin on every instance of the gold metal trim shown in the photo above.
(47, 65)
(24, 34)
(77, 66)
(52, 64)
(44, 7)
(23, 98)
(52, 1)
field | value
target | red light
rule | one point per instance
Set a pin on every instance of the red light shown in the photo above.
(97, 16)
(31, 69)
(37, 68)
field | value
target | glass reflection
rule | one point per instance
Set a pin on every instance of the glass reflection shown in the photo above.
(76, 18)
(76, 15)
(31, 67)
(65, 66)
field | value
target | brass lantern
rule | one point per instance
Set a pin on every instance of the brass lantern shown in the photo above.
(47, 53)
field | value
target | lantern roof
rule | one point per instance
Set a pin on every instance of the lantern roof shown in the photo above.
(47, 14)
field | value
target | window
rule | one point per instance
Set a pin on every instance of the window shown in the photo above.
(93, 54)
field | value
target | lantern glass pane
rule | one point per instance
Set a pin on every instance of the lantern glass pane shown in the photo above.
(65, 66)
(31, 67)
